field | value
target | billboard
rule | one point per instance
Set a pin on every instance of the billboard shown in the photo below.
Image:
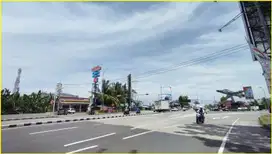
(248, 92)
(96, 73)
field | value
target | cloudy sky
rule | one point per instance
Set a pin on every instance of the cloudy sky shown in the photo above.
(61, 42)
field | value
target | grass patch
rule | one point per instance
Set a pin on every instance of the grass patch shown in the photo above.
(265, 120)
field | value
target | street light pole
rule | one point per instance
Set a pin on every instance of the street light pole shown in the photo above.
(102, 90)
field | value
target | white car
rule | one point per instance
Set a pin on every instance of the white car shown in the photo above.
(71, 111)
(174, 109)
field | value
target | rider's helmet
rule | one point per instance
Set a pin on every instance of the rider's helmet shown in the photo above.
(200, 109)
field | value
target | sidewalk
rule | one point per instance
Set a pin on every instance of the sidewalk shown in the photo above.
(13, 117)
(61, 119)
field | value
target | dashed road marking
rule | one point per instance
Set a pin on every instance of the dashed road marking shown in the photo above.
(83, 149)
(135, 135)
(52, 130)
(90, 139)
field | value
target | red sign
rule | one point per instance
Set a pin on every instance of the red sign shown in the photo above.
(95, 80)
(96, 68)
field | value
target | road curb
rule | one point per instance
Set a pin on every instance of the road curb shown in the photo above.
(26, 118)
(68, 120)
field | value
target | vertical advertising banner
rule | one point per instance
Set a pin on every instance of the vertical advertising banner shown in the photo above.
(248, 92)
(95, 74)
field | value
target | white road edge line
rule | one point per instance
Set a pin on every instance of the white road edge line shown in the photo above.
(52, 130)
(83, 149)
(224, 141)
(91, 139)
(128, 137)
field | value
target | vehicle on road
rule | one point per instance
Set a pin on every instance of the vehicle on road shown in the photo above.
(138, 111)
(162, 106)
(184, 109)
(174, 109)
(71, 111)
(200, 118)
(126, 111)
(62, 111)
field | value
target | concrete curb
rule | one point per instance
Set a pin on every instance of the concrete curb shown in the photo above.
(69, 120)
(26, 118)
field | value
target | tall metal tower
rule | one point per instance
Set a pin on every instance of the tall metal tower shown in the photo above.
(17, 81)
(257, 19)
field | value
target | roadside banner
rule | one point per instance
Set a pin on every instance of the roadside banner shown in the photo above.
(248, 92)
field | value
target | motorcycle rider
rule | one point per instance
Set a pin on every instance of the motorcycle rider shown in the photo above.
(201, 112)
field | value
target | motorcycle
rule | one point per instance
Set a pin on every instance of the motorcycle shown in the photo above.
(200, 118)
(126, 112)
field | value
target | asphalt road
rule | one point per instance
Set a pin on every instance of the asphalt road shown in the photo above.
(168, 132)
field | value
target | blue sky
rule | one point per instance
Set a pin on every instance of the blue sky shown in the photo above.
(61, 42)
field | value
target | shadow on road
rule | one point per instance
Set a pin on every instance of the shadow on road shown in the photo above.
(246, 139)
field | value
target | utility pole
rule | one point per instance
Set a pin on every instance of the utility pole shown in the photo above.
(129, 91)
(57, 95)
(161, 92)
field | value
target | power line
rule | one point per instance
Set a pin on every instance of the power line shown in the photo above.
(214, 53)
(198, 61)
(202, 59)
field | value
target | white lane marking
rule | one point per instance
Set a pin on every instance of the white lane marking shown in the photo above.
(128, 137)
(225, 117)
(52, 130)
(97, 124)
(224, 141)
(91, 139)
(216, 118)
(83, 149)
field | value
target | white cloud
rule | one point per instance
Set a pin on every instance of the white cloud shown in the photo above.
(55, 42)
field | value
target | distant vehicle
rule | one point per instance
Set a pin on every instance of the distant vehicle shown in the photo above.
(184, 109)
(254, 108)
(174, 109)
(138, 111)
(71, 111)
(162, 105)
(62, 111)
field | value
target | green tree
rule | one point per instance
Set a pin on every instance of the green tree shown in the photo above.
(33, 103)
(183, 100)
(223, 99)
(114, 93)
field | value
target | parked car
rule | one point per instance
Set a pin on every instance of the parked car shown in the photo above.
(71, 111)
(62, 111)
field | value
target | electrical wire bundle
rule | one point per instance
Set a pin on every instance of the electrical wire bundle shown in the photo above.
(195, 61)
